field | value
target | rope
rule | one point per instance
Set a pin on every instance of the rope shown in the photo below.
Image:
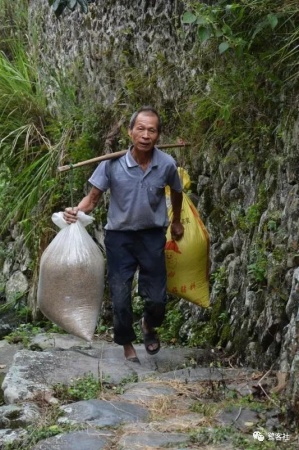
(71, 183)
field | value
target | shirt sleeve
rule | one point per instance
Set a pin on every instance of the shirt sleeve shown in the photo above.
(101, 176)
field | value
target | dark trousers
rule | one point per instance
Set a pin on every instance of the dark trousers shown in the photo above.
(126, 252)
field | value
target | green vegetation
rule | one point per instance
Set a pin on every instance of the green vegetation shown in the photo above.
(46, 428)
(220, 398)
(225, 399)
(239, 108)
(249, 50)
(174, 320)
(23, 334)
(229, 435)
(84, 388)
(219, 279)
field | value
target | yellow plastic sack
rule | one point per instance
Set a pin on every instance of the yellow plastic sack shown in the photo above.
(187, 260)
(185, 178)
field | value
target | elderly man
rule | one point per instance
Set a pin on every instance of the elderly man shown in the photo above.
(136, 225)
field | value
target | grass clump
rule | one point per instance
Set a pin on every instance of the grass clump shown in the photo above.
(23, 334)
(83, 388)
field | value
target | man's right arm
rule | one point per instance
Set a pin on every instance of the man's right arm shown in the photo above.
(86, 205)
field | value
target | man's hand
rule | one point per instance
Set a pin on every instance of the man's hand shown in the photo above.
(70, 214)
(176, 230)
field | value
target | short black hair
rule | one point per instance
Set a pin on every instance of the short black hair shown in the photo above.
(146, 109)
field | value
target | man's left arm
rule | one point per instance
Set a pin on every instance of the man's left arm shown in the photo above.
(176, 227)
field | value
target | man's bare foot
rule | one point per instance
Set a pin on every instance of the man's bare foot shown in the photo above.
(130, 353)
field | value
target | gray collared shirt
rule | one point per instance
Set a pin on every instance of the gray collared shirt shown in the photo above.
(137, 198)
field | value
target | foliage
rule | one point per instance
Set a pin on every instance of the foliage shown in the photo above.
(14, 23)
(258, 263)
(224, 24)
(219, 279)
(60, 5)
(17, 305)
(45, 427)
(23, 334)
(23, 143)
(174, 319)
(35, 141)
(230, 435)
(237, 96)
(202, 335)
(84, 388)
(222, 398)
(225, 398)
(169, 330)
(88, 387)
(120, 388)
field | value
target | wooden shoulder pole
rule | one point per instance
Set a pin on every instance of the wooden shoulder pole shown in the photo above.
(111, 156)
(93, 160)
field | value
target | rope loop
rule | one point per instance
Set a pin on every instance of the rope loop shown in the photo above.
(71, 183)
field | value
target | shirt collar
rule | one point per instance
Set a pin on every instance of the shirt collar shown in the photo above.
(132, 163)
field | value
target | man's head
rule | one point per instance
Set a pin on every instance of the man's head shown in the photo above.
(149, 110)
(144, 129)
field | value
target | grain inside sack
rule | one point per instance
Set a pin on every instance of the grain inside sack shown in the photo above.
(71, 278)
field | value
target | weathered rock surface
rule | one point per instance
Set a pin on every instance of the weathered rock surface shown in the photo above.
(148, 405)
(7, 352)
(15, 416)
(77, 440)
(102, 414)
(33, 373)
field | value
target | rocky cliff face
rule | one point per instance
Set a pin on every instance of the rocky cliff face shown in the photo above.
(250, 208)
(114, 37)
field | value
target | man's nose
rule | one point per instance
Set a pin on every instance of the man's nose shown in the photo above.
(145, 134)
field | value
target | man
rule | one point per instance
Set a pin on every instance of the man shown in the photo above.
(136, 226)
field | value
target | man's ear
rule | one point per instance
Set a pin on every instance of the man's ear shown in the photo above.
(130, 132)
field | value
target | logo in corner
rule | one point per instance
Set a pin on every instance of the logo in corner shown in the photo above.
(259, 436)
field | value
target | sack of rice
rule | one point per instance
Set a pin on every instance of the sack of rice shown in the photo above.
(187, 260)
(71, 278)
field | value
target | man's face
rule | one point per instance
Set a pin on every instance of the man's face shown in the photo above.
(144, 134)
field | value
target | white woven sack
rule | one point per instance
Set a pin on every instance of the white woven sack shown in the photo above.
(71, 278)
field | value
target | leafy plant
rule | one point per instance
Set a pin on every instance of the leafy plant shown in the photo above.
(202, 335)
(174, 319)
(23, 334)
(45, 428)
(258, 263)
(34, 142)
(84, 388)
(243, 72)
(225, 22)
(119, 389)
(230, 435)
(219, 279)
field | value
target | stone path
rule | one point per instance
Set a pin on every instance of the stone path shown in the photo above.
(167, 401)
